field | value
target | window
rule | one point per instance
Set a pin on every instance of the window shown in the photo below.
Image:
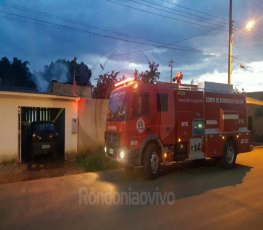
(162, 102)
(141, 104)
(117, 106)
(198, 127)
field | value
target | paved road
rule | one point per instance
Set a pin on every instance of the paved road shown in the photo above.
(186, 196)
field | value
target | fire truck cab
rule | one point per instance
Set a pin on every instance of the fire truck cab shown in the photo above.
(151, 124)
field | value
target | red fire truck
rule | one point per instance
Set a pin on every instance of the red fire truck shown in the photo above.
(151, 124)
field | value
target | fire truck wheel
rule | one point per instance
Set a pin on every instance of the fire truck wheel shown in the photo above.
(151, 162)
(229, 156)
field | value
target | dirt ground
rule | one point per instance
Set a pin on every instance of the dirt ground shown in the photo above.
(43, 168)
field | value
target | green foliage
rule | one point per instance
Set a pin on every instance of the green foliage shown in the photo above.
(106, 81)
(95, 161)
(16, 74)
(105, 85)
(148, 76)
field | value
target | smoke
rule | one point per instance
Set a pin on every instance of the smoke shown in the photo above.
(58, 71)
(40, 81)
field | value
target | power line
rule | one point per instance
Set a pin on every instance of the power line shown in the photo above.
(160, 15)
(195, 10)
(44, 22)
(178, 41)
(167, 45)
(25, 9)
(123, 34)
(172, 11)
(246, 38)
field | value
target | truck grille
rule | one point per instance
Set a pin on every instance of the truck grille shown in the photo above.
(112, 142)
(112, 139)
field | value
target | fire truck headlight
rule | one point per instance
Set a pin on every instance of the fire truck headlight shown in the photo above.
(122, 154)
(105, 149)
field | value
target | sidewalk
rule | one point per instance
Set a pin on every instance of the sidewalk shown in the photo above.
(21, 172)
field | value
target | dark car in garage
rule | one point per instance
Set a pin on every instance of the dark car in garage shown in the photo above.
(43, 139)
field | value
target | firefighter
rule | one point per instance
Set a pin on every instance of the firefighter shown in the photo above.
(178, 77)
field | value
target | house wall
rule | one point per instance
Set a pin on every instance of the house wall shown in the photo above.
(255, 115)
(9, 125)
(255, 118)
(92, 122)
(68, 89)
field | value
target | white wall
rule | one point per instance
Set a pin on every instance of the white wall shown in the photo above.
(92, 123)
(9, 104)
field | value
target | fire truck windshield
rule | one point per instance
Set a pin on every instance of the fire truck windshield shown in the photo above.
(117, 106)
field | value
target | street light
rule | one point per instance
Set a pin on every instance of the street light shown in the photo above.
(250, 24)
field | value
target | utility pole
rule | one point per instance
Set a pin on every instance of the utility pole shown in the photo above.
(171, 63)
(230, 41)
(74, 79)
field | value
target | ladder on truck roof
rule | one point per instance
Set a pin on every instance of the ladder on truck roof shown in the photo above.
(186, 87)
(180, 87)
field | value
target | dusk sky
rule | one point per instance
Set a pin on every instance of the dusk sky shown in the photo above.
(123, 35)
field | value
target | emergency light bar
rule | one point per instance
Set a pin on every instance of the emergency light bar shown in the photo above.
(121, 83)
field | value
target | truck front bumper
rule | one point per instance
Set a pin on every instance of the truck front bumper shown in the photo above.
(124, 155)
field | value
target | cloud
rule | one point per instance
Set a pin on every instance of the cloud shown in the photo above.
(250, 80)
(84, 29)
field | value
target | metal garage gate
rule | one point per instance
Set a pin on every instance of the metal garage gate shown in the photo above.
(27, 115)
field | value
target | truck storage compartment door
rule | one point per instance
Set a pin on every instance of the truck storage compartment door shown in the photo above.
(197, 141)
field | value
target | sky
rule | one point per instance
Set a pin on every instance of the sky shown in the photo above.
(124, 35)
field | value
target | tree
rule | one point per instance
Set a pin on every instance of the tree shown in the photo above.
(63, 71)
(105, 85)
(4, 70)
(151, 75)
(82, 71)
(16, 74)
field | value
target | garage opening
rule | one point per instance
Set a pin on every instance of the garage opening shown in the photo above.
(41, 133)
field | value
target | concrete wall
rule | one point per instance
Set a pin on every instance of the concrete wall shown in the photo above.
(255, 115)
(67, 89)
(92, 123)
(9, 125)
